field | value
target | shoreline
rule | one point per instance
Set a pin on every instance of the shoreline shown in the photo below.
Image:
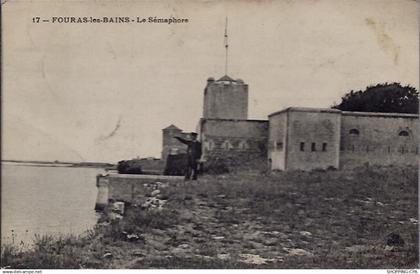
(58, 164)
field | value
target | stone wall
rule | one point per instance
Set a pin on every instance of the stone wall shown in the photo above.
(225, 100)
(313, 138)
(235, 141)
(277, 141)
(128, 188)
(378, 138)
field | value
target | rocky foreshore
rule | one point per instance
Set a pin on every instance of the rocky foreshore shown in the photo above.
(361, 218)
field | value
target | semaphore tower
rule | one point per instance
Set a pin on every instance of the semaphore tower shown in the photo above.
(225, 98)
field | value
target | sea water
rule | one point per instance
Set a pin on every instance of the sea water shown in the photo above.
(46, 200)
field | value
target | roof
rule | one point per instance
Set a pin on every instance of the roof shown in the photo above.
(171, 127)
(306, 109)
(380, 114)
(234, 120)
(226, 78)
(346, 113)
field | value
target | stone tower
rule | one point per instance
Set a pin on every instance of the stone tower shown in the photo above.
(171, 145)
(225, 99)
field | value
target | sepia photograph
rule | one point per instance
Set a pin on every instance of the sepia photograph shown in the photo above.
(244, 134)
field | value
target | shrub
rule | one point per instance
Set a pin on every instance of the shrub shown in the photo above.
(129, 167)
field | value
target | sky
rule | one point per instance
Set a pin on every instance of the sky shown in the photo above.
(103, 92)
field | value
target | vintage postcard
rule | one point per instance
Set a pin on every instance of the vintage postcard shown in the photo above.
(209, 134)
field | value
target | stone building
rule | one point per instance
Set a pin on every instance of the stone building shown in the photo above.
(225, 131)
(308, 138)
(296, 138)
(170, 145)
(304, 138)
(225, 99)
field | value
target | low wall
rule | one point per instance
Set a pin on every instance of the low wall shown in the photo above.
(127, 188)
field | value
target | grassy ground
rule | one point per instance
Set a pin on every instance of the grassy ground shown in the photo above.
(246, 219)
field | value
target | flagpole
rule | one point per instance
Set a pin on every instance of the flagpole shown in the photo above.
(226, 47)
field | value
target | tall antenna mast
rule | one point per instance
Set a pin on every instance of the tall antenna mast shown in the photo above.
(226, 47)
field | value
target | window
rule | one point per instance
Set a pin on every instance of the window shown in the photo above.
(354, 131)
(313, 147)
(302, 146)
(403, 133)
(279, 146)
(324, 146)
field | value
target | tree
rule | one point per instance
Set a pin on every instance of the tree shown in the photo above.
(381, 98)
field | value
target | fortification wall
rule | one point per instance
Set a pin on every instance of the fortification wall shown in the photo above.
(225, 101)
(277, 128)
(235, 141)
(375, 138)
(313, 139)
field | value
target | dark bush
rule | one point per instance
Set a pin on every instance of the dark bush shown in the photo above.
(129, 167)
(382, 98)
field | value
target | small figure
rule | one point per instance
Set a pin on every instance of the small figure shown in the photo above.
(193, 155)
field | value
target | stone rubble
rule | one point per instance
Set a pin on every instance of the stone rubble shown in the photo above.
(414, 220)
(358, 248)
(107, 255)
(298, 252)
(305, 233)
(254, 259)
